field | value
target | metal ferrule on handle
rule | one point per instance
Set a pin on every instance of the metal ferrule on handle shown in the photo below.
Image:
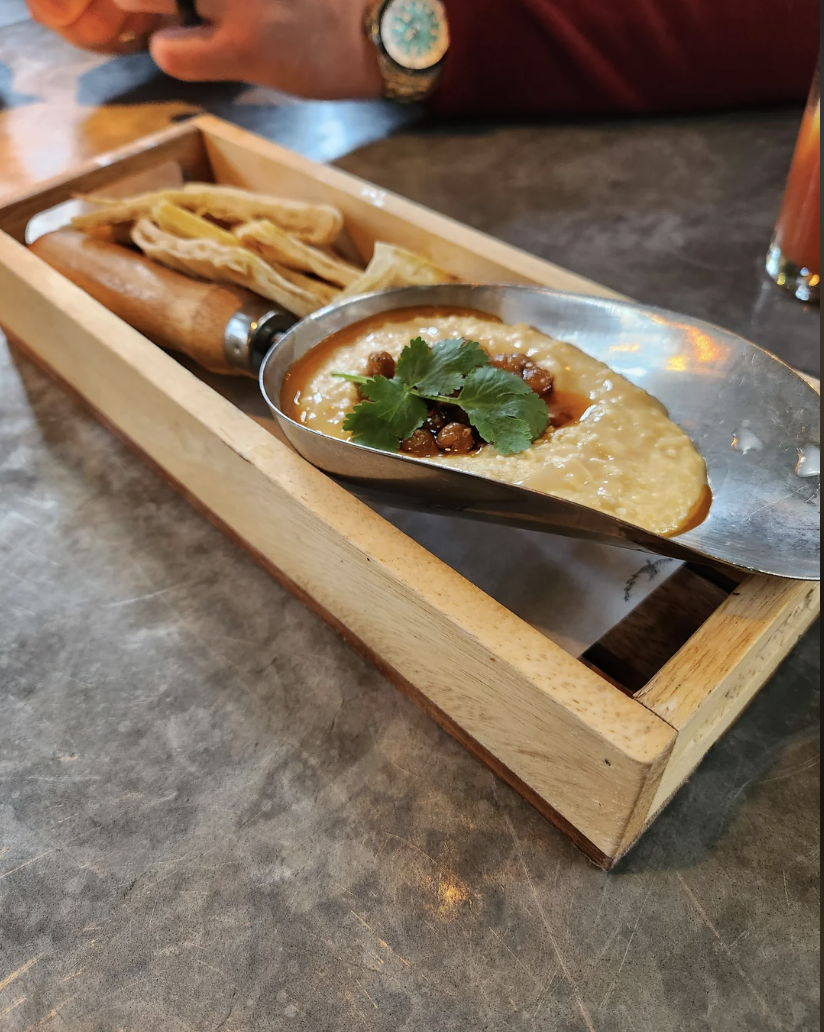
(250, 333)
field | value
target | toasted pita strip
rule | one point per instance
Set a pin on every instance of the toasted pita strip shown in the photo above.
(272, 243)
(318, 224)
(391, 267)
(180, 222)
(324, 292)
(223, 264)
(185, 224)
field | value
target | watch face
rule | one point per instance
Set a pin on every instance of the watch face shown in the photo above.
(415, 33)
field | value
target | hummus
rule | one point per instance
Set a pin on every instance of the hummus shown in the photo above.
(621, 455)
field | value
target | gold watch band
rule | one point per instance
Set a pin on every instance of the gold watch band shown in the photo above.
(399, 84)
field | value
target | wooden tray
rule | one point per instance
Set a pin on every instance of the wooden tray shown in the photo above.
(598, 744)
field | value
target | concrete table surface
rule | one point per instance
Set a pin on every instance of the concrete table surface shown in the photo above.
(213, 815)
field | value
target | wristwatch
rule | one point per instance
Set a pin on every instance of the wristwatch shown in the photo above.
(412, 38)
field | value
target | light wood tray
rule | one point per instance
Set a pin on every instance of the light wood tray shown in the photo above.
(598, 744)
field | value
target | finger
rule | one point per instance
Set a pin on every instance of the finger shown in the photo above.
(56, 14)
(95, 24)
(99, 24)
(148, 6)
(209, 10)
(205, 53)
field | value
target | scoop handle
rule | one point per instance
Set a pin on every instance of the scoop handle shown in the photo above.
(174, 311)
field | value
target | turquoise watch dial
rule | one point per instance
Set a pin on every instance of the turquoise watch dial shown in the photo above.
(415, 33)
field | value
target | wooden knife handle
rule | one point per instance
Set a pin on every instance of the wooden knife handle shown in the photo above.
(174, 311)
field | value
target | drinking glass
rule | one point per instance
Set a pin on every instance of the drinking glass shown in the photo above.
(794, 258)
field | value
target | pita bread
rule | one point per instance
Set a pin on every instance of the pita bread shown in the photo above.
(392, 267)
(272, 243)
(318, 224)
(220, 263)
(324, 292)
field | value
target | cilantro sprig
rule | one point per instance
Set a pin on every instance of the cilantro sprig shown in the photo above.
(504, 410)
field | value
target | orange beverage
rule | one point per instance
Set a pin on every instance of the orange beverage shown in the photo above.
(794, 260)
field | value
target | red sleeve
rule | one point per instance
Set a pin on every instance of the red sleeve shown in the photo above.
(599, 56)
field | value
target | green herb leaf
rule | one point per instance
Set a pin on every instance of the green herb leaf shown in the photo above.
(451, 362)
(504, 410)
(390, 416)
(414, 363)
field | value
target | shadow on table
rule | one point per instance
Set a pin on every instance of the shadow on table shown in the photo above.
(778, 733)
(136, 79)
(322, 130)
(618, 121)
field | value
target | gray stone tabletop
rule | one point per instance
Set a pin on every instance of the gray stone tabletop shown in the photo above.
(215, 816)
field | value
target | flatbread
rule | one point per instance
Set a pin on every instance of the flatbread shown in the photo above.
(324, 292)
(392, 267)
(318, 224)
(275, 245)
(220, 263)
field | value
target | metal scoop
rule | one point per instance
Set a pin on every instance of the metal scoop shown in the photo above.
(755, 421)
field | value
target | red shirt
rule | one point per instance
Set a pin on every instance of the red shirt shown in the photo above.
(599, 56)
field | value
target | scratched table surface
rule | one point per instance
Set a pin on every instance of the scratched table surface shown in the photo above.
(213, 815)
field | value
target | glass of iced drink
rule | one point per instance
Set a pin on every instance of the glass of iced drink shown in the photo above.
(794, 259)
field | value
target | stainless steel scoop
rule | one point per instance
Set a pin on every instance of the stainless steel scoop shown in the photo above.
(755, 421)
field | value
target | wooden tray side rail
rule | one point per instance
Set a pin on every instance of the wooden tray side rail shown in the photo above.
(597, 760)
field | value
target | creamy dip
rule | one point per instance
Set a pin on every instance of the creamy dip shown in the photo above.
(623, 455)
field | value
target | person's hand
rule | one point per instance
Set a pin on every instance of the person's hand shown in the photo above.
(313, 48)
(95, 24)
